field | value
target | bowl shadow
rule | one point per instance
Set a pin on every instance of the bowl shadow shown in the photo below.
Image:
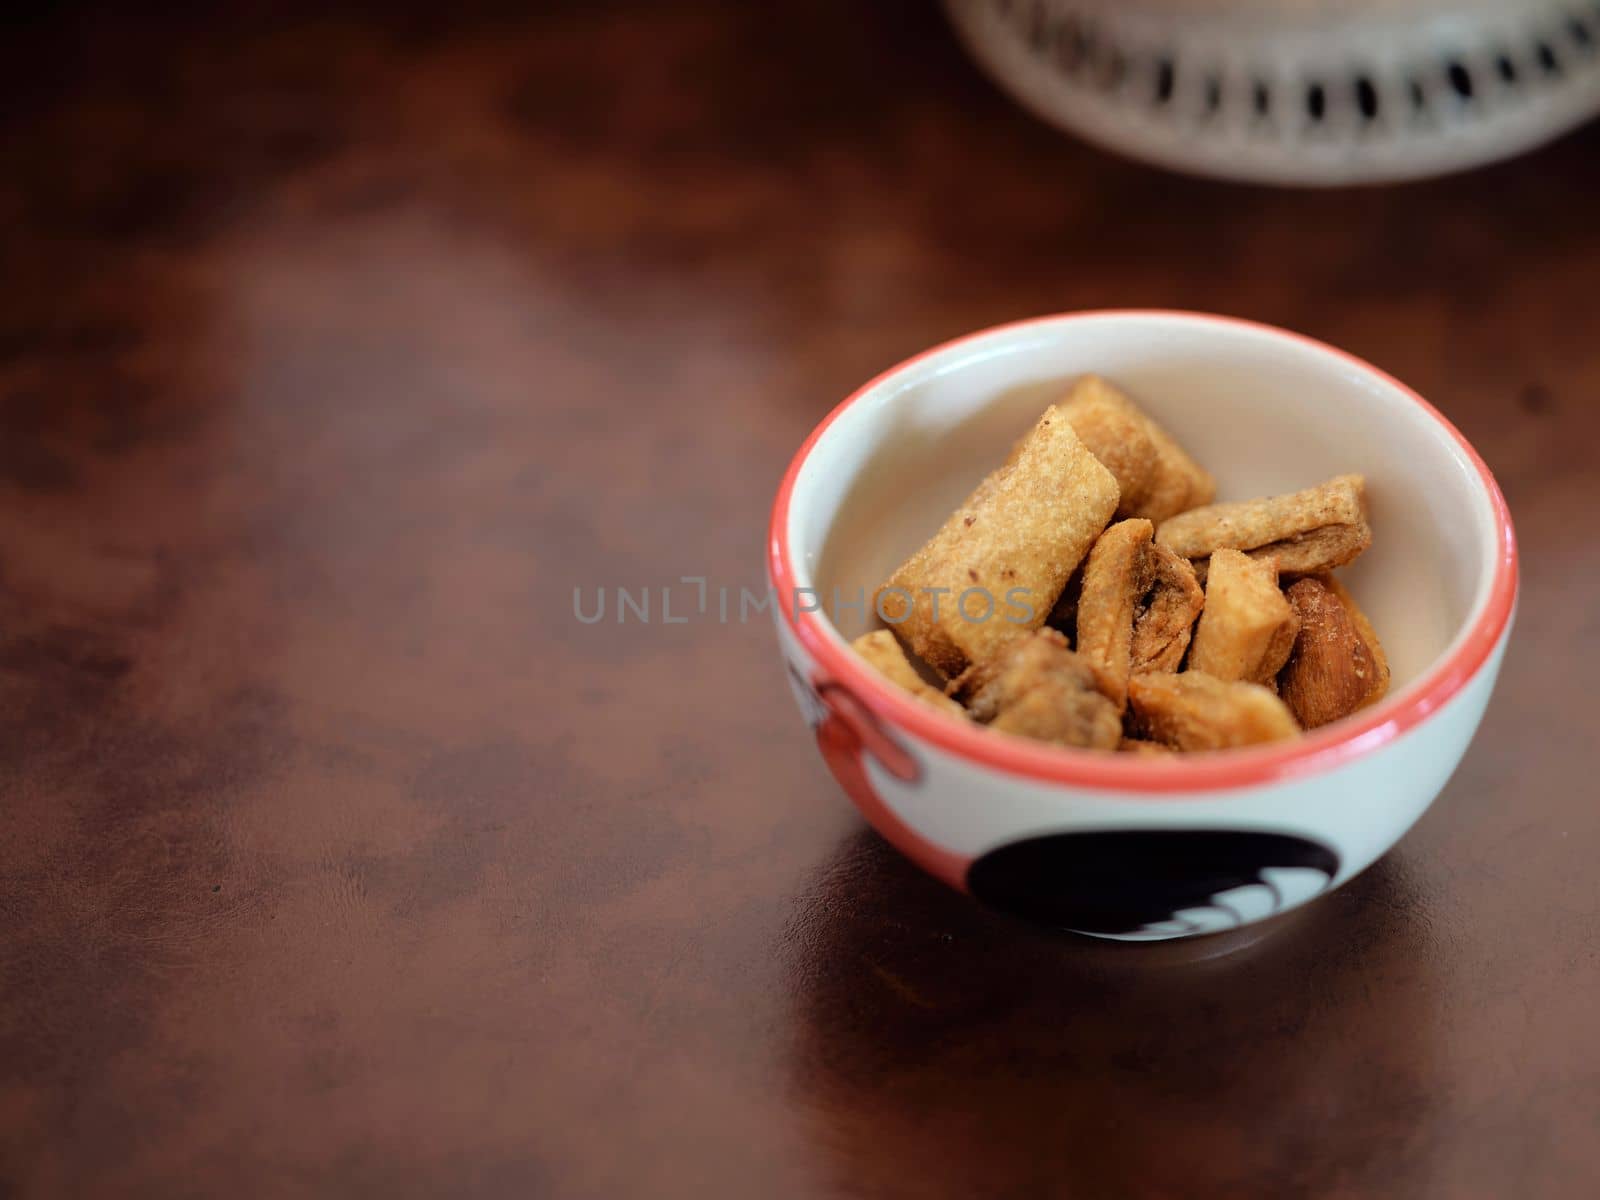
(944, 1049)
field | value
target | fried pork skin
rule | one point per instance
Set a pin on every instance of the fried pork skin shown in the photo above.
(1194, 711)
(1307, 532)
(1025, 527)
(1157, 478)
(1247, 628)
(1162, 630)
(1115, 580)
(882, 650)
(1038, 688)
(1333, 669)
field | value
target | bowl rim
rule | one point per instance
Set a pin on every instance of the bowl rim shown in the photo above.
(1319, 751)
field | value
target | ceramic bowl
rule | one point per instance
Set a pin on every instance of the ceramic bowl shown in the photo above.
(1314, 92)
(1120, 845)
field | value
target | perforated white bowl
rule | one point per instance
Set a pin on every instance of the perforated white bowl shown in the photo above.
(1315, 92)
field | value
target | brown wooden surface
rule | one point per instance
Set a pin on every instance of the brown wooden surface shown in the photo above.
(338, 858)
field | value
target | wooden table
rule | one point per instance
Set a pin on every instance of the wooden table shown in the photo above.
(339, 858)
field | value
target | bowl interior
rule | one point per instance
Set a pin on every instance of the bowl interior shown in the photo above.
(1264, 411)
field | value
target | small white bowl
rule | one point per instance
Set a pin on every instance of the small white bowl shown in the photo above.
(1120, 845)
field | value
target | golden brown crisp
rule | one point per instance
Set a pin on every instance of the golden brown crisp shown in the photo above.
(1064, 616)
(1307, 532)
(1163, 627)
(1117, 434)
(1156, 476)
(1143, 748)
(1115, 580)
(1194, 711)
(1038, 688)
(1247, 628)
(1025, 527)
(1368, 634)
(1178, 482)
(1333, 669)
(881, 650)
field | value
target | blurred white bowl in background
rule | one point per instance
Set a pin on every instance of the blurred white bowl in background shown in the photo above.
(1298, 91)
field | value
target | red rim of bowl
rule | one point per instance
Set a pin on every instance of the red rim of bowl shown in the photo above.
(1317, 751)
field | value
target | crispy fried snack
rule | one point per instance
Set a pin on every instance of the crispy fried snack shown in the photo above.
(1064, 616)
(1162, 629)
(1156, 477)
(881, 650)
(1178, 483)
(1025, 527)
(1115, 580)
(1143, 748)
(1117, 433)
(1368, 634)
(1247, 628)
(1194, 711)
(1307, 532)
(1038, 688)
(1333, 669)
